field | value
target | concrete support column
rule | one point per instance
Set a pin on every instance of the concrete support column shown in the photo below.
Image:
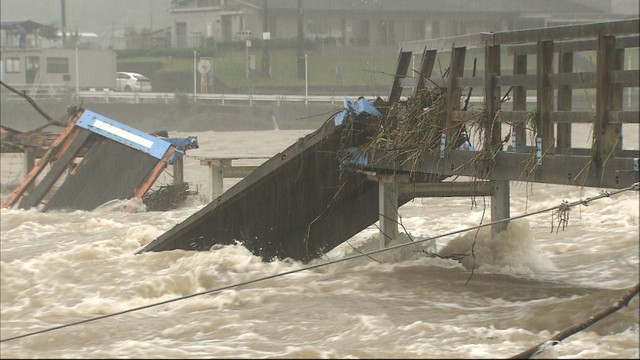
(216, 177)
(28, 161)
(178, 170)
(500, 205)
(388, 211)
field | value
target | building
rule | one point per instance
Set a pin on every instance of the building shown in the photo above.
(38, 64)
(202, 23)
(46, 68)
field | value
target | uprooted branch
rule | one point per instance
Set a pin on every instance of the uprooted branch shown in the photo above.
(51, 120)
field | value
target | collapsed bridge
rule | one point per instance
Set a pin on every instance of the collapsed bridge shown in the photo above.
(369, 159)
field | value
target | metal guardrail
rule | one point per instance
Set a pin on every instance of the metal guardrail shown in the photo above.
(224, 99)
(109, 96)
(156, 97)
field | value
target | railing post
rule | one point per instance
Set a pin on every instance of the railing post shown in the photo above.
(520, 98)
(456, 70)
(544, 126)
(565, 93)
(617, 96)
(493, 133)
(426, 68)
(605, 138)
(404, 60)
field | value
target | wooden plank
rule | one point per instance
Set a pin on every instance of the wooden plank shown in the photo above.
(626, 78)
(444, 44)
(426, 68)
(544, 66)
(492, 131)
(604, 136)
(565, 94)
(404, 60)
(616, 95)
(624, 117)
(477, 81)
(576, 117)
(622, 42)
(454, 92)
(516, 117)
(558, 169)
(520, 100)
(528, 81)
(579, 151)
(579, 80)
(623, 27)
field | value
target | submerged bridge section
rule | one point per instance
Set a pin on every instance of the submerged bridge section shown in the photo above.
(368, 160)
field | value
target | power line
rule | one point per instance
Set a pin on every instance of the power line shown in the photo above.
(564, 205)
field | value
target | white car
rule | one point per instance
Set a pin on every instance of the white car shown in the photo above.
(129, 81)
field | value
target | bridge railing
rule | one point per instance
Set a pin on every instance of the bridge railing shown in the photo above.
(548, 64)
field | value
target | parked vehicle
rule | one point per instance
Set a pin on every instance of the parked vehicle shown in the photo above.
(129, 81)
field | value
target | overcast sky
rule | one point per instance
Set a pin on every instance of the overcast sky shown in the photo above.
(102, 16)
(90, 15)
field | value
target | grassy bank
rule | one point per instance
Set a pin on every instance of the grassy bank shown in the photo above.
(329, 73)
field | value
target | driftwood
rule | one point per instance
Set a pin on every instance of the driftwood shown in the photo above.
(624, 301)
(12, 140)
(51, 120)
(167, 197)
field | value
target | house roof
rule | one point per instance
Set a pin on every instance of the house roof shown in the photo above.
(437, 6)
(28, 25)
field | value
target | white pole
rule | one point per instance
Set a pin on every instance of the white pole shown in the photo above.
(629, 89)
(306, 82)
(77, 73)
(246, 59)
(194, 75)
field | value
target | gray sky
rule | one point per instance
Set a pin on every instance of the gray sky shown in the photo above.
(90, 15)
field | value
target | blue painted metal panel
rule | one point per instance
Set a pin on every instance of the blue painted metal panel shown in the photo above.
(124, 134)
(361, 105)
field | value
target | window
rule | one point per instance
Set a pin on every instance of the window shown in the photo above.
(12, 65)
(57, 65)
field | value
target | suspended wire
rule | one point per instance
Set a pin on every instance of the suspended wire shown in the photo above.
(563, 205)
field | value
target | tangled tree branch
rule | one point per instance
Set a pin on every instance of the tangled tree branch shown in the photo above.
(49, 119)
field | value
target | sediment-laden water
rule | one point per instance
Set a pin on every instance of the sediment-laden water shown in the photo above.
(527, 284)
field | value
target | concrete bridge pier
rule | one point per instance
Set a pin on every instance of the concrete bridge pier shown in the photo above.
(388, 210)
(392, 187)
(500, 205)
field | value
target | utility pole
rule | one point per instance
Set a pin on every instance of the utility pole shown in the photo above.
(266, 36)
(64, 24)
(301, 67)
